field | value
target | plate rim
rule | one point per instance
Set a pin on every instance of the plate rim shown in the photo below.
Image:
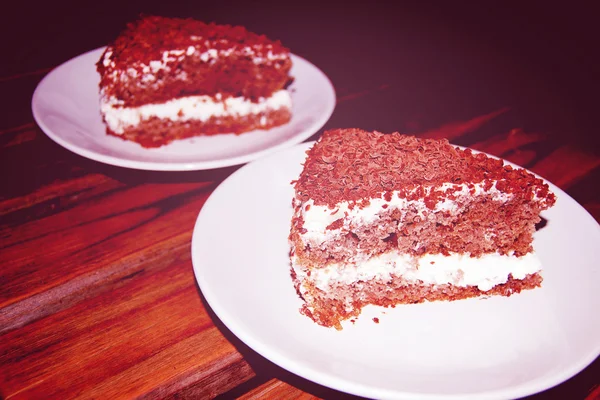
(181, 166)
(530, 387)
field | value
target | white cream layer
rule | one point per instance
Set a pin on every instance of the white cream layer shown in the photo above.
(201, 108)
(485, 272)
(317, 218)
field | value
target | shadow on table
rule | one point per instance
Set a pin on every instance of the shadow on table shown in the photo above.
(136, 177)
(44, 163)
(266, 370)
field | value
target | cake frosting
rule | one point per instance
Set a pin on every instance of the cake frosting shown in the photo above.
(200, 108)
(460, 270)
(318, 217)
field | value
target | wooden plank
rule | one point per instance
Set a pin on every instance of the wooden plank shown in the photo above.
(17, 129)
(36, 73)
(89, 199)
(70, 190)
(566, 166)
(41, 163)
(456, 129)
(594, 393)
(347, 96)
(276, 389)
(507, 144)
(152, 336)
(104, 278)
(18, 135)
(594, 209)
(91, 247)
(203, 365)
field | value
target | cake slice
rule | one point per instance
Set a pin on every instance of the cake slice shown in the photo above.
(387, 219)
(169, 78)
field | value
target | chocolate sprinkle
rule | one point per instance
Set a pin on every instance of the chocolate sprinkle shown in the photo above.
(354, 165)
(147, 38)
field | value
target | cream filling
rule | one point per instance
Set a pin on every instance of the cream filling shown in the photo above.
(317, 218)
(485, 272)
(201, 108)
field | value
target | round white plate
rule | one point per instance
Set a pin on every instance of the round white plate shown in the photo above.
(499, 347)
(66, 107)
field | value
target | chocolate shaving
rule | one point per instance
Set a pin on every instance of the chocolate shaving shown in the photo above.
(354, 165)
(149, 37)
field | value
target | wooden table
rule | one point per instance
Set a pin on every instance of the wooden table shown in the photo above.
(97, 294)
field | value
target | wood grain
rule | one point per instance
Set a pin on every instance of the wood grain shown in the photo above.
(276, 389)
(102, 282)
(151, 332)
(97, 294)
(86, 246)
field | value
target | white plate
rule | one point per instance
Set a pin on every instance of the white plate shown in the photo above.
(66, 107)
(470, 349)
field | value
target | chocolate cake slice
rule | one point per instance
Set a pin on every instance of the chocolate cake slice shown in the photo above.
(387, 219)
(169, 78)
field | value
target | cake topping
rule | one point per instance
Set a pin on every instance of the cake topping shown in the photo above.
(354, 165)
(149, 38)
(156, 59)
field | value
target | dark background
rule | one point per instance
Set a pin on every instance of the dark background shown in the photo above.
(438, 61)
(420, 65)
